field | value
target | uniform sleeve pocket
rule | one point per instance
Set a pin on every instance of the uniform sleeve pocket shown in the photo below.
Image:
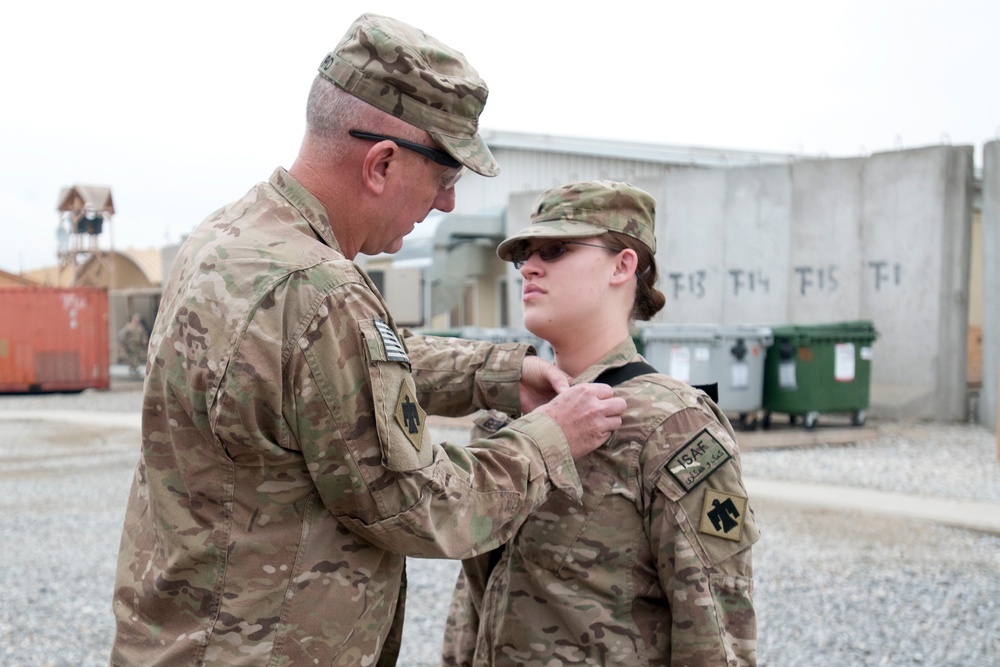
(732, 597)
(399, 419)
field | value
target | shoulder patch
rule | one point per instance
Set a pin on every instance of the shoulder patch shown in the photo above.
(410, 416)
(696, 460)
(393, 348)
(722, 515)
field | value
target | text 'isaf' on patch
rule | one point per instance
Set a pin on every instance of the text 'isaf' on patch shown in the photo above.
(697, 459)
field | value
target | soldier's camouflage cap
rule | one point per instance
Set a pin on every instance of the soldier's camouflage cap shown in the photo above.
(405, 72)
(588, 208)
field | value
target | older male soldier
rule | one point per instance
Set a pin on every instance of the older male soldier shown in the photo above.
(286, 467)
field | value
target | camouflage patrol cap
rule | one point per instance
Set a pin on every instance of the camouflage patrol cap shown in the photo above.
(411, 75)
(588, 208)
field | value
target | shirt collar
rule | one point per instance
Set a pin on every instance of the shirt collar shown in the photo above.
(619, 355)
(306, 204)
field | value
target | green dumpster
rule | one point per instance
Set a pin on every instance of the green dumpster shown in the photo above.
(810, 370)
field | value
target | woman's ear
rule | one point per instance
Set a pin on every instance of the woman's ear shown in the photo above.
(626, 264)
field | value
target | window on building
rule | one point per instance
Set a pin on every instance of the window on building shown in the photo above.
(378, 278)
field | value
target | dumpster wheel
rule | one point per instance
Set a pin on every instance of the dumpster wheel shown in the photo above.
(858, 418)
(810, 419)
(749, 421)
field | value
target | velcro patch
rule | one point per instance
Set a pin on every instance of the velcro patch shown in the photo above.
(697, 459)
(393, 348)
(410, 416)
(722, 515)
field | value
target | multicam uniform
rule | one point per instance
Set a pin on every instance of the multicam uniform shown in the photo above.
(285, 467)
(652, 568)
(133, 341)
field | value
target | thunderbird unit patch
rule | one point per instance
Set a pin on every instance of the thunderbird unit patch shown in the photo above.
(410, 416)
(697, 459)
(393, 348)
(722, 515)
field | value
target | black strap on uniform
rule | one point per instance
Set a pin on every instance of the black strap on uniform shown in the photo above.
(712, 390)
(615, 376)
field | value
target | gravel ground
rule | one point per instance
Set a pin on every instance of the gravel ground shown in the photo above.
(833, 587)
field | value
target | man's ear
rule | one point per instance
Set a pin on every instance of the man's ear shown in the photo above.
(625, 266)
(379, 161)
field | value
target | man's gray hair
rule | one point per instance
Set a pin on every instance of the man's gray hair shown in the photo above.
(331, 112)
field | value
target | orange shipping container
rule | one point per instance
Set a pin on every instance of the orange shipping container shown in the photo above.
(53, 339)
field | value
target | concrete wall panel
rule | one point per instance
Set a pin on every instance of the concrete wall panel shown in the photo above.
(824, 268)
(691, 233)
(911, 232)
(757, 245)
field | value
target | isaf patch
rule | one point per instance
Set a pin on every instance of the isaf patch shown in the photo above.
(393, 348)
(697, 459)
(722, 515)
(410, 416)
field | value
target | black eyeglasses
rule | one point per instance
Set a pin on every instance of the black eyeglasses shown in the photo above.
(434, 154)
(548, 252)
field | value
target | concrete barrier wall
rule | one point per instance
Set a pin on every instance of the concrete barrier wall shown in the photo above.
(825, 247)
(883, 238)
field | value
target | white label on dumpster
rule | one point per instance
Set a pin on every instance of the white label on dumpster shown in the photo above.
(680, 363)
(865, 353)
(701, 354)
(786, 375)
(843, 364)
(740, 375)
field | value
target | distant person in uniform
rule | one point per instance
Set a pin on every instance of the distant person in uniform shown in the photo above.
(654, 566)
(287, 468)
(133, 342)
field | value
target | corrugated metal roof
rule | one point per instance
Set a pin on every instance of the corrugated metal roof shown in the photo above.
(629, 150)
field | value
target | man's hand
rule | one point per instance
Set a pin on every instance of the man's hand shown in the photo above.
(588, 414)
(540, 382)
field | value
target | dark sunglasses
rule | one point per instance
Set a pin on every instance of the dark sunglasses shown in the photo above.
(548, 252)
(434, 154)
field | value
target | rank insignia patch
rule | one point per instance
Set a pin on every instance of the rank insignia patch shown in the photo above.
(696, 460)
(722, 515)
(410, 416)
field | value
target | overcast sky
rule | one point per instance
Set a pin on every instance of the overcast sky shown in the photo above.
(181, 107)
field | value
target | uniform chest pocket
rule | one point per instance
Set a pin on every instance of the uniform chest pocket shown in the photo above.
(568, 537)
(400, 421)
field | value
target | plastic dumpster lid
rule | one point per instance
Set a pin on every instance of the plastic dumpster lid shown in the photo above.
(659, 331)
(662, 331)
(860, 330)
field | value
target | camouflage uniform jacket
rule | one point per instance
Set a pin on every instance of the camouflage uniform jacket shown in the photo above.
(286, 469)
(647, 570)
(133, 340)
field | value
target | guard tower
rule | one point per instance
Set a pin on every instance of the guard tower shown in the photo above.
(85, 212)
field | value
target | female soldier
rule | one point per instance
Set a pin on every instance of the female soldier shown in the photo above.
(653, 565)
